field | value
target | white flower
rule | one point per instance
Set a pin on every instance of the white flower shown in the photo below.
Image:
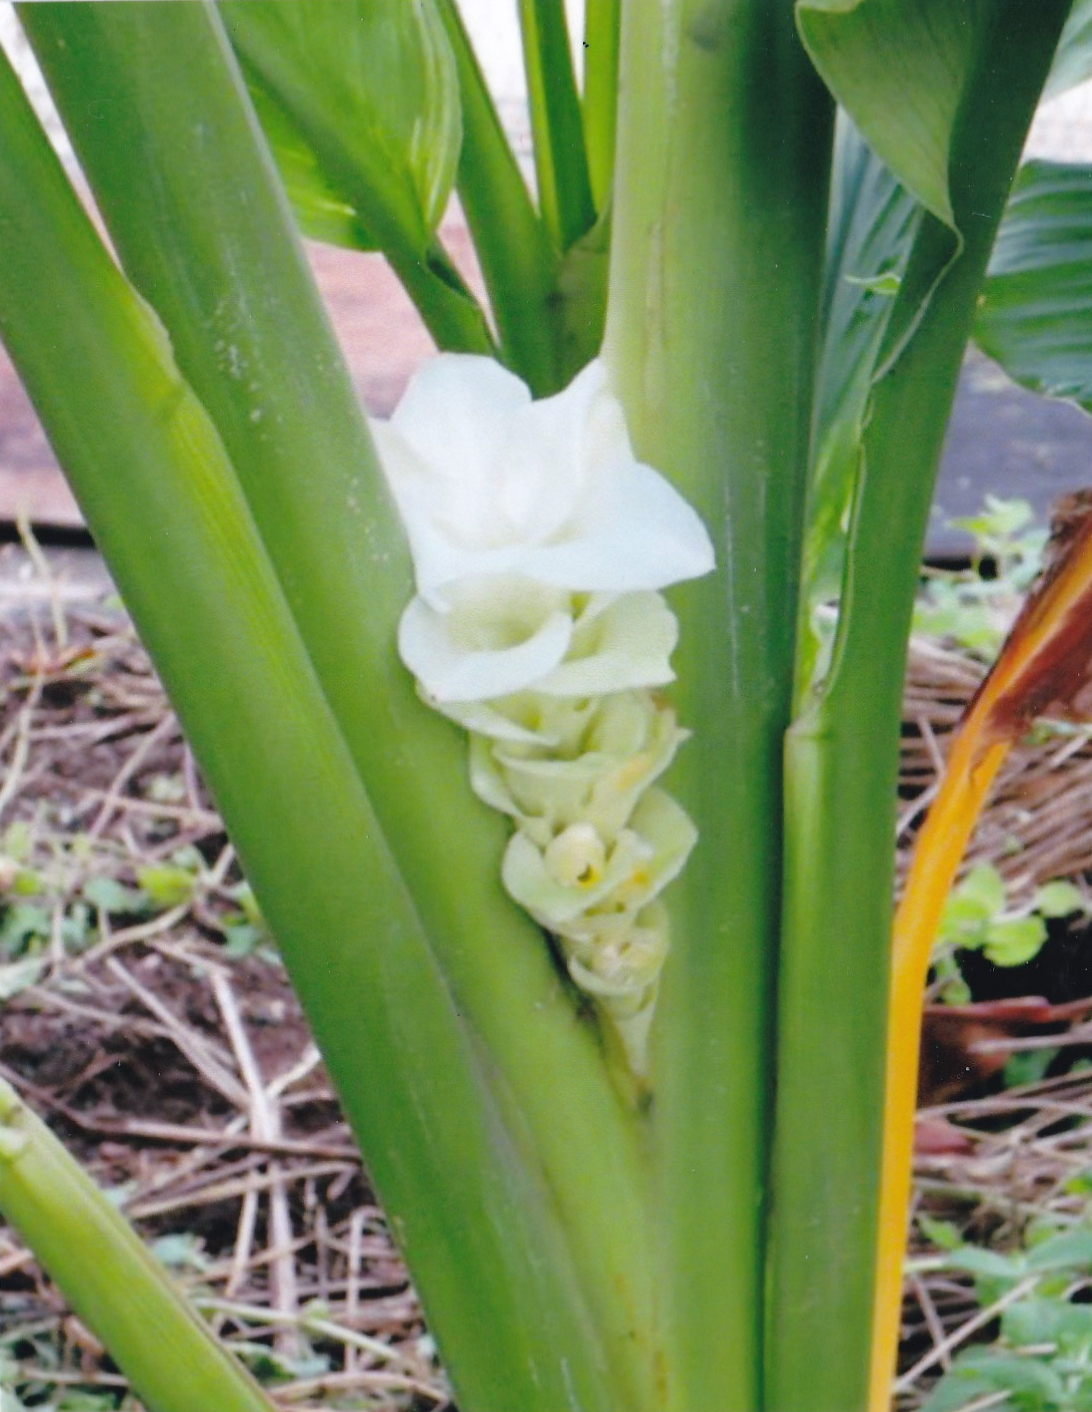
(501, 635)
(628, 742)
(538, 539)
(643, 858)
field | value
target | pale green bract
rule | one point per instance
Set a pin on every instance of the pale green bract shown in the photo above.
(540, 544)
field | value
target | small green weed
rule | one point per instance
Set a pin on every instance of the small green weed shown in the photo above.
(1041, 1360)
(972, 608)
(60, 894)
(977, 917)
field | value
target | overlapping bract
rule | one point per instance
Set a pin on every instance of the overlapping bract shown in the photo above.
(539, 545)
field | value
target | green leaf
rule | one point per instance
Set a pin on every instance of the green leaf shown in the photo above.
(1055, 1321)
(872, 222)
(244, 896)
(988, 1264)
(1012, 941)
(22, 923)
(926, 51)
(17, 975)
(997, 524)
(945, 1235)
(869, 50)
(359, 100)
(1031, 1386)
(602, 28)
(1068, 1250)
(1027, 1066)
(517, 257)
(1035, 316)
(242, 939)
(983, 889)
(166, 885)
(181, 1250)
(1073, 61)
(16, 841)
(28, 883)
(109, 895)
(322, 210)
(1059, 899)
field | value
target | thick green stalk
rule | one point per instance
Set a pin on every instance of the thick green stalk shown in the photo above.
(723, 157)
(226, 276)
(229, 283)
(481, 1229)
(518, 262)
(128, 1300)
(842, 761)
(557, 127)
(602, 31)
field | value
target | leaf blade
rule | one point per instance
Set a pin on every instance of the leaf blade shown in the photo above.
(1035, 316)
(867, 49)
(1073, 61)
(369, 86)
(359, 101)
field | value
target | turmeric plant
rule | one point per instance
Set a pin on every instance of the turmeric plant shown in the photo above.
(574, 830)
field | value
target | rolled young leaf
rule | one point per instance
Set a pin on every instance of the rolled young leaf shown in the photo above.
(371, 90)
(360, 102)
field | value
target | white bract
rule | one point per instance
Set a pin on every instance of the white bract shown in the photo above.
(526, 521)
(540, 544)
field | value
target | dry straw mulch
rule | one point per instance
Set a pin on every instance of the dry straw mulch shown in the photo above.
(185, 1077)
(1038, 825)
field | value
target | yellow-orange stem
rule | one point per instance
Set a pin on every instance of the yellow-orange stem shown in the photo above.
(940, 847)
(1044, 663)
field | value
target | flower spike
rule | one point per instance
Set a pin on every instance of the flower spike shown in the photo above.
(540, 545)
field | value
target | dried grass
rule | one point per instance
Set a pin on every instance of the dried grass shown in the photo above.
(184, 1079)
(1038, 825)
(190, 1080)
